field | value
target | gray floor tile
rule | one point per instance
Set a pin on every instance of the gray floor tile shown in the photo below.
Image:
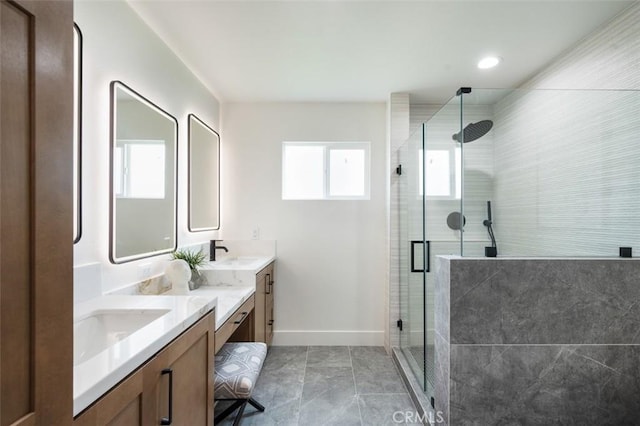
(372, 359)
(328, 397)
(281, 415)
(278, 387)
(329, 382)
(389, 409)
(368, 382)
(286, 357)
(369, 352)
(280, 392)
(325, 386)
(329, 412)
(328, 356)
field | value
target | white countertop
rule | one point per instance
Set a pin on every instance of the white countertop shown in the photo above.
(229, 298)
(95, 376)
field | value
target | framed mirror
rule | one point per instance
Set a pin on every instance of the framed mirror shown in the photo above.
(204, 176)
(143, 177)
(77, 132)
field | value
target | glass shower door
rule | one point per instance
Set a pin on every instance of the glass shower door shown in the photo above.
(413, 257)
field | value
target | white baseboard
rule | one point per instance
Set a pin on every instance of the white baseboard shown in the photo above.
(327, 338)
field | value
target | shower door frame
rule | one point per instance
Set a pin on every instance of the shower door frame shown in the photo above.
(409, 239)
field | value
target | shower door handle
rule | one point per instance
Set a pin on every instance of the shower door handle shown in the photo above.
(426, 262)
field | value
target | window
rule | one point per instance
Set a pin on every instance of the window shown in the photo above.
(139, 169)
(443, 177)
(325, 170)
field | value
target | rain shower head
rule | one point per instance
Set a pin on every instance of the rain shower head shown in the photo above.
(474, 131)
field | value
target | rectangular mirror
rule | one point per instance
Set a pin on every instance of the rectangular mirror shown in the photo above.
(204, 176)
(143, 177)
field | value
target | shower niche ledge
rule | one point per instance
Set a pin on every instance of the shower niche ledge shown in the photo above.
(537, 341)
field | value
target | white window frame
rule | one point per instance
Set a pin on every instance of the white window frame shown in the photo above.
(327, 148)
(455, 174)
(123, 151)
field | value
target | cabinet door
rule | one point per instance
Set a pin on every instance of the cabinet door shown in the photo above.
(269, 322)
(121, 406)
(260, 308)
(178, 383)
(36, 218)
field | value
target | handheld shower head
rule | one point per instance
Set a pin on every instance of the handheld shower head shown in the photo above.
(488, 221)
(493, 250)
(473, 131)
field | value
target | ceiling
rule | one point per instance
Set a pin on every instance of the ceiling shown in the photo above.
(345, 51)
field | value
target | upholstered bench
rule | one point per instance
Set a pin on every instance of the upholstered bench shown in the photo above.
(237, 367)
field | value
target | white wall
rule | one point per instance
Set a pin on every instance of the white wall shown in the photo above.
(331, 267)
(117, 45)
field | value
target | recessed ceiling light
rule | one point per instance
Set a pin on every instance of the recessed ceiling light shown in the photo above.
(489, 62)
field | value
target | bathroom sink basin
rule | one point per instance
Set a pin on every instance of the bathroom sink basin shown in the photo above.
(100, 329)
(237, 261)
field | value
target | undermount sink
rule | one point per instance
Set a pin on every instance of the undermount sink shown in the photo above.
(100, 329)
(236, 261)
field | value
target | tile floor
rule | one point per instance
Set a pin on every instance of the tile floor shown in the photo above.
(328, 385)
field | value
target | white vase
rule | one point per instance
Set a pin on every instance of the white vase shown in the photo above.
(178, 273)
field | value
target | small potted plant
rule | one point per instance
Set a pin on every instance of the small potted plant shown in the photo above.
(193, 259)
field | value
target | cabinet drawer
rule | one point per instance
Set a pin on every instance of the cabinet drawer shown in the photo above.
(232, 324)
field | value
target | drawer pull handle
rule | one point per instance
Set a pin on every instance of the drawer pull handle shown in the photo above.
(244, 314)
(168, 420)
(270, 322)
(267, 280)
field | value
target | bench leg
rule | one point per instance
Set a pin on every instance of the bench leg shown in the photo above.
(236, 422)
(256, 404)
(242, 403)
(230, 409)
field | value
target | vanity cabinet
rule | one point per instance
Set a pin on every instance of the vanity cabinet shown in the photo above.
(178, 382)
(174, 387)
(264, 320)
(120, 406)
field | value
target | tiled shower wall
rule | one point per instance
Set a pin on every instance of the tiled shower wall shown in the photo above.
(566, 173)
(538, 341)
(398, 134)
(561, 158)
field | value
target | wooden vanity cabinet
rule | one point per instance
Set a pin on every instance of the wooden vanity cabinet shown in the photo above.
(178, 382)
(264, 320)
(175, 385)
(121, 406)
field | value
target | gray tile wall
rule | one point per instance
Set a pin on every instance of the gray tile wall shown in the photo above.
(538, 341)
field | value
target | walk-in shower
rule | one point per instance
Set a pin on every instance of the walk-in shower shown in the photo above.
(549, 173)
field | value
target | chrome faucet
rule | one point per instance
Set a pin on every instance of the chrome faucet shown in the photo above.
(212, 249)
